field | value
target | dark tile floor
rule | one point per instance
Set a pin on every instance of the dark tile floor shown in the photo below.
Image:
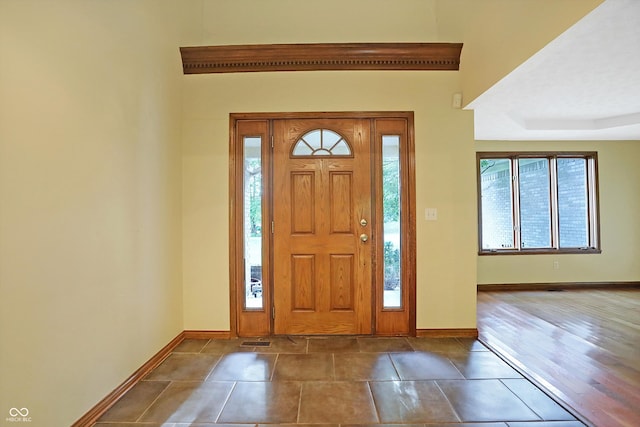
(335, 381)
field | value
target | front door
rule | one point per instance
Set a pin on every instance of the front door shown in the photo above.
(322, 256)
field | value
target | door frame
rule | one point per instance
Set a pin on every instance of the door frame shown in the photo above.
(259, 322)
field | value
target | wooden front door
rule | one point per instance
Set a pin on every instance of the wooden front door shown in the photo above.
(322, 211)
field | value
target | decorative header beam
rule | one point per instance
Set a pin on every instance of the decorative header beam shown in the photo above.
(320, 56)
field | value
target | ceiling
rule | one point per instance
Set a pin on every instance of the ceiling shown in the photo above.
(584, 85)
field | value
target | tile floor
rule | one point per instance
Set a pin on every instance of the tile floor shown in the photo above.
(335, 381)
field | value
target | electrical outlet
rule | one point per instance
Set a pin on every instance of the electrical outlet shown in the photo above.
(556, 265)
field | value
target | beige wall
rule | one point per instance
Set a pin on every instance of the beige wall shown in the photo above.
(619, 181)
(444, 141)
(90, 173)
(223, 22)
(444, 167)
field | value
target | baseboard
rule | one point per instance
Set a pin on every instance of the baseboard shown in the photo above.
(103, 406)
(207, 335)
(447, 333)
(555, 286)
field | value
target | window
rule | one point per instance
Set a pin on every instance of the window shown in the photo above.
(321, 142)
(391, 203)
(537, 203)
(253, 221)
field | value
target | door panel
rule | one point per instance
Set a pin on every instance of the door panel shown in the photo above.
(303, 190)
(340, 282)
(303, 274)
(322, 268)
(341, 202)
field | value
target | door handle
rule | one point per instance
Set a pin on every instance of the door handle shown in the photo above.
(364, 237)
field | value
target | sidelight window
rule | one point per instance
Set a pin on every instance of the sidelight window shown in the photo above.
(391, 221)
(253, 222)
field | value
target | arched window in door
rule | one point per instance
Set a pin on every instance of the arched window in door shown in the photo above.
(321, 142)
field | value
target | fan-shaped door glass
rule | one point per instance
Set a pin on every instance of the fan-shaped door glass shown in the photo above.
(321, 142)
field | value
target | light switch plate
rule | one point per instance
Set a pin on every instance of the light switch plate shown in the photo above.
(431, 214)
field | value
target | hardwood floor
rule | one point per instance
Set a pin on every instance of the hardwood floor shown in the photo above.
(582, 346)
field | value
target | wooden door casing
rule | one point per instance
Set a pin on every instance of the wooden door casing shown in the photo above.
(249, 321)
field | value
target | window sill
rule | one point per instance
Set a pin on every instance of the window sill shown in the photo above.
(539, 251)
